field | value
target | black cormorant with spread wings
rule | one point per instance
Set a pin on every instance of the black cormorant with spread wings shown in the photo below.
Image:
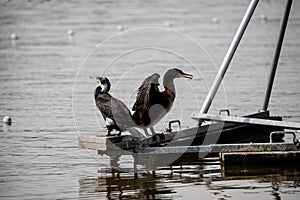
(151, 104)
(115, 113)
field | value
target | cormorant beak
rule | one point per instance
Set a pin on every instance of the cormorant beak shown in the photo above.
(97, 79)
(189, 76)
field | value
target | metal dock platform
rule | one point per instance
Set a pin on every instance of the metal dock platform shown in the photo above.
(248, 153)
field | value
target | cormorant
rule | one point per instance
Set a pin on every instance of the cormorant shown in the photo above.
(151, 104)
(115, 113)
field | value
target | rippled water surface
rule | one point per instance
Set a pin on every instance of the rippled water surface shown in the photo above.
(44, 86)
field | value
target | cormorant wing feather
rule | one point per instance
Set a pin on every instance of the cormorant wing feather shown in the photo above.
(121, 113)
(103, 102)
(115, 109)
(147, 88)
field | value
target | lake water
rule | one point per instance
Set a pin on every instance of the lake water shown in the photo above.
(44, 86)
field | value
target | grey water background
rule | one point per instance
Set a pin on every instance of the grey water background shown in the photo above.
(45, 88)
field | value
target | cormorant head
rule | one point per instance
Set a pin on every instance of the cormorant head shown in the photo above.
(177, 73)
(103, 83)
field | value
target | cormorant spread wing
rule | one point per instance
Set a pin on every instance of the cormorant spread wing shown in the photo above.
(148, 87)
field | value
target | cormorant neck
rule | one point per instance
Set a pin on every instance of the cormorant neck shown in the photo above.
(98, 91)
(169, 86)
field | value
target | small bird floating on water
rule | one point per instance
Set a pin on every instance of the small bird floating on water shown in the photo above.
(115, 113)
(151, 104)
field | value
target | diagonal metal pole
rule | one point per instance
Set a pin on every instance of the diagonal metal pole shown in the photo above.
(228, 57)
(283, 26)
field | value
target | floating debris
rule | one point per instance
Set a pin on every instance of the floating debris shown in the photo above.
(71, 32)
(168, 24)
(7, 120)
(13, 36)
(120, 28)
(215, 20)
(263, 17)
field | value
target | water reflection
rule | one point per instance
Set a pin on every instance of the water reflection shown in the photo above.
(122, 187)
(208, 175)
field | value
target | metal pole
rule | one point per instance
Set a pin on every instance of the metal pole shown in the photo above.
(228, 57)
(283, 25)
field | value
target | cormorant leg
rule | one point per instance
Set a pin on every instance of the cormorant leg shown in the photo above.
(146, 132)
(152, 130)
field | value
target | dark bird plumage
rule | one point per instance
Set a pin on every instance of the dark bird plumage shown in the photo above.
(115, 113)
(151, 104)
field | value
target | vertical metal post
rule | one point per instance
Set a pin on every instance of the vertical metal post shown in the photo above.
(228, 57)
(283, 26)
